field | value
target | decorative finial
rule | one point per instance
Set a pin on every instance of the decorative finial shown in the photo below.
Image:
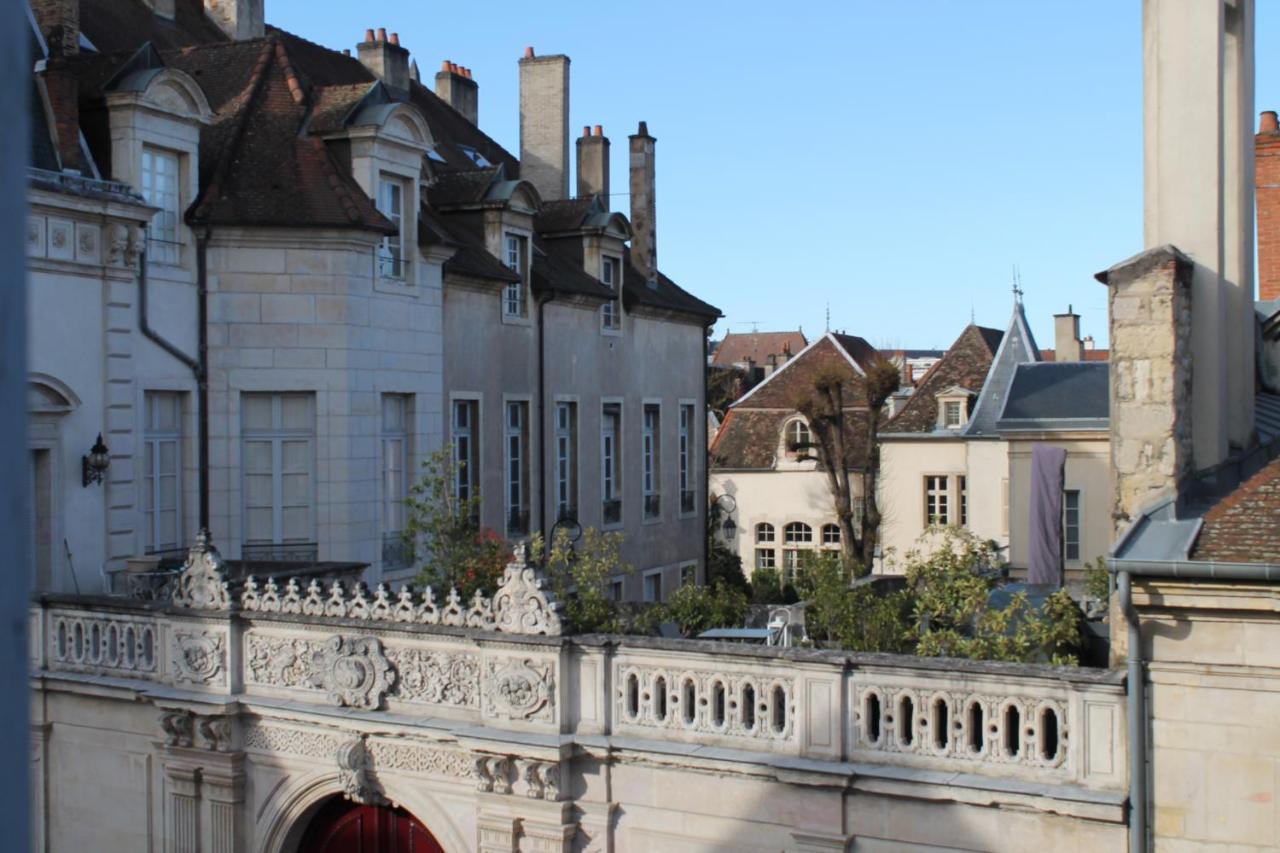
(1017, 286)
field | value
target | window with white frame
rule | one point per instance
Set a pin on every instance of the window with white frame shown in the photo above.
(278, 441)
(766, 558)
(515, 255)
(465, 428)
(162, 471)
(653, 585)
(161, 184)
(1071, 524)
(610, 473)
(651, 463)
(396, 413)
(610, 277)
(566, 460)
(687, 493)
(790, 565)
(797, 533)
(936, 499)
(517, 467)
(798, 438)
(764, 532)
(951, 414)
(392, 261)
(830, 534)
(859, 510)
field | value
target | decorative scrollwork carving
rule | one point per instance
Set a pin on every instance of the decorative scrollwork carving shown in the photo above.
(355, 772)
(202, 584)
(521, 605)
(353, 671)
(519, 689)
(198, 657)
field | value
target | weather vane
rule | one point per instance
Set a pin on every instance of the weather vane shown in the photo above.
(1017, 284)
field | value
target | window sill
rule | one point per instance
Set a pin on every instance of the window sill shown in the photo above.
(611, 333)
(396, 286)
(651, 520)
(511, 320)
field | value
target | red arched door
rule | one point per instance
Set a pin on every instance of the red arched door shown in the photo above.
(341, 826)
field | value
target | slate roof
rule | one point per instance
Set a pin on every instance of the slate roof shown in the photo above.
(741, 347)
(1058, 395)
(1244, 527)
(965, 364)
(1017, 346)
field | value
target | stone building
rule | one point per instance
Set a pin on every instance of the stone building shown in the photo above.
(302, 264)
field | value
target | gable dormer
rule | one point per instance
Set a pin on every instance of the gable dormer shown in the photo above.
(954, 405)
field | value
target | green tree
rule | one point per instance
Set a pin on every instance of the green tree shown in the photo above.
(580, 577)
(699, 608)
(456, 552)
(857, 619)
(723, 563)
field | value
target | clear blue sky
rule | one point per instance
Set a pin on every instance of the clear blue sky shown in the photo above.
(892, 159)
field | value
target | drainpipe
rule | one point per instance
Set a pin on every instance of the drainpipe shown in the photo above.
(542, 421)
(196, 365)
(1137, 713)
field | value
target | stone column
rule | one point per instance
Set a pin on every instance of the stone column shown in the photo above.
(496, 833)
(223, 777)
(182, 808)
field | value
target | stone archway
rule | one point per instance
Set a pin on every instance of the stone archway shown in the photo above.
(340, 826)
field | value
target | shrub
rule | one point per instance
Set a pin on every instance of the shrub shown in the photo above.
(699, 608)
(580, 578)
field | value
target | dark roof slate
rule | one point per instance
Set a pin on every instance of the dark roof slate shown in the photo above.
(115, 25)
(965, 363)
(1056, 394)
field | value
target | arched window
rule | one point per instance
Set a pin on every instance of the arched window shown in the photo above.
(764, 532)
(797, 437)
(830, 534)
(798, 532)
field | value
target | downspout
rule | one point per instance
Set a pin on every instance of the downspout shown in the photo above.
(542, 419)
(1137, 713)
(196, 365)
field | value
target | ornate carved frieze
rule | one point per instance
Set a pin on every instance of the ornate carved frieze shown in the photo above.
(519, 689)
(104, 644)
(352, 671)
(436, 678)
(522, 605)
(203, 583)
(199, 657)
(389, 755)
(288, 740)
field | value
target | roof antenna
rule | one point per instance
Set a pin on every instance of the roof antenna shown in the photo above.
(973, 316)
(828, 315)
(1017, 286)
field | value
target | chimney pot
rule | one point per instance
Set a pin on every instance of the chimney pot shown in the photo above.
(586, 130)
(368, 35)
(455, 87)
(643, 129)
(386, 60)
(395, 38)
(444, 66)
(528, 52)
(453, 68)
(346, 51)
(544, 124)
(466, 72)
(1267, 123)
(599, 130)
(382, 33)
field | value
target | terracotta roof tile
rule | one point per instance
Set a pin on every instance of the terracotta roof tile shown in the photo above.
(1244, 527)
(741, 347)
(966, 364)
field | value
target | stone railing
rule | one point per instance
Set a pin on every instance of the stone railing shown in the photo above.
(501, 665)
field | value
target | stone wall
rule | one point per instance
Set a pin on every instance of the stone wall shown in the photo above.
(1151, 368)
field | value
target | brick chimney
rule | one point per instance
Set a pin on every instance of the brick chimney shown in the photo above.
(644, 228)
(1150, 307)
(1067, 345)
(385, 58)
(456, 88)
(1266, 146)
(239, 20)
(544, 123)
(593, 164)
(59, 22)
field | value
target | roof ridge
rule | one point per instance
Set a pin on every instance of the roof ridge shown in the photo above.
(254, 86)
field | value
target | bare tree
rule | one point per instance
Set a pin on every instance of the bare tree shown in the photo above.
(834, 440)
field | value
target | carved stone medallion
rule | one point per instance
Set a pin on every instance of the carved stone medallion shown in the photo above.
(353, 671)
(518, 689)
(198, 657)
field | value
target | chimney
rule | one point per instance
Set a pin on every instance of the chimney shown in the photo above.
(593, 164)
(239, 20)
(385, 58)
(644, 240)
(1149, 305)
(459, 91)
(1266, 146)
(544, 123)
(1067, 345)
(59, 22)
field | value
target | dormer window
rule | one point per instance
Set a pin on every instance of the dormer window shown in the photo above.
(951, 414)
(160, 187)
(391, 254)
(514, 302)
(611, 311)
(797, 439)
(953, 408)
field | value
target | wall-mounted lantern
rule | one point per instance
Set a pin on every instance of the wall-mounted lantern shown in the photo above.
(94, 465)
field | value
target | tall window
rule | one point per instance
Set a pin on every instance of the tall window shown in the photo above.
(466, 425)
(797, 532)
(391, 254)
(1071, 524)
(516, 257)
(653, 586)
(279, 481)
(935, 500)
(610, 474)
(611, 311)
(790, 565)
(160, 187)
(686, 459)
(396, 409)
(517, 461)
(859, 509)
(162, 471)
(566, 460)
(652, 462)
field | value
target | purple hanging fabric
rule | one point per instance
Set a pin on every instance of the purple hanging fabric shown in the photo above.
(1048, 465)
